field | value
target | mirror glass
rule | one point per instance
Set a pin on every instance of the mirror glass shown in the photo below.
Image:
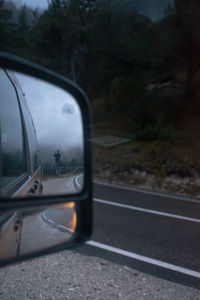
(41, 138)
(27, 231)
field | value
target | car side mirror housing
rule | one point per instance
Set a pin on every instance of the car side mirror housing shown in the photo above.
(45, 161)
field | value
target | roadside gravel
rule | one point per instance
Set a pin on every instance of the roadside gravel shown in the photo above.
(69, 275)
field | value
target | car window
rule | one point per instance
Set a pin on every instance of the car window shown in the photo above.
(12, 140)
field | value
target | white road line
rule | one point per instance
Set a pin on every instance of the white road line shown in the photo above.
(54, 224)
(163, 195)
(64, 228)
(150, 211)
(145, 259)
(77, 180)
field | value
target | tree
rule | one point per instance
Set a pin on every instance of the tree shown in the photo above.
(185, 21)
(60, 33)
(4, 25)
(118, 44)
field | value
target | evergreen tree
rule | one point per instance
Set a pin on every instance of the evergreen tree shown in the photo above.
(184, 23)
(5, 15)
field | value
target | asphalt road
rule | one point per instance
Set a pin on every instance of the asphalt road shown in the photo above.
(154, 233)
(48, 227)
(152, 225)
(157, 233)
(38, 234)
(136, 235)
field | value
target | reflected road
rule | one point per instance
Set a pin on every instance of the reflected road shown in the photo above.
(49, 227)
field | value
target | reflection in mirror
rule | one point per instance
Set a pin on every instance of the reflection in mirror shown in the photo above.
(27, 231)
(41, 138)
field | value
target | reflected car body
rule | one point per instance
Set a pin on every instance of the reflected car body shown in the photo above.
(21, 165)
(10, 234)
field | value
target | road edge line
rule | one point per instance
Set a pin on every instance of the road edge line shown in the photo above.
(145, 259)
(146, 210)
(148, 192)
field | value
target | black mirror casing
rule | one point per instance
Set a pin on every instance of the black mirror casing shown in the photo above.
(83, 199)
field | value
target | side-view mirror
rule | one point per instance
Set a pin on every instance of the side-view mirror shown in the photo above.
(45, 162)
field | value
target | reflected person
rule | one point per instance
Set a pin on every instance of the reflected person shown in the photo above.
(57, 156)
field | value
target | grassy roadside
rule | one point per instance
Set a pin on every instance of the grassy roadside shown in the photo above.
(171, 166)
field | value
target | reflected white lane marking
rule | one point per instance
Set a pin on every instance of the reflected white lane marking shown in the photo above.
(77, 180)
(150, 211)
(54, 224)
(145, 259)
(163, 195)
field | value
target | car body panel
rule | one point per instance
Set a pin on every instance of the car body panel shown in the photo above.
(29, 183)
(10, 234)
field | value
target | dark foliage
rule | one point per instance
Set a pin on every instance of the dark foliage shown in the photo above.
(141, 69)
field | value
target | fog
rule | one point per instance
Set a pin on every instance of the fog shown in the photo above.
(154, 9)
(56, 116)
(33, 3)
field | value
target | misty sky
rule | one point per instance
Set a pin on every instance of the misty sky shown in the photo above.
(56, 114)
(154, 9)
(32, 3)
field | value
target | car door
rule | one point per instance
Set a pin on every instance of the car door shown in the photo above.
(13, 144)
(10, 234)
(13, 163)
(32, 183)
